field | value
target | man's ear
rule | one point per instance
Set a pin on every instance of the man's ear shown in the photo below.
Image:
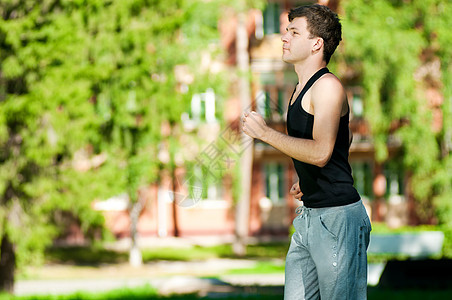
(318, 44)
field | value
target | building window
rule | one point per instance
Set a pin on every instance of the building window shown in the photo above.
(271, 18)
(357, 106)
(202, 109)
(270, 103)
(203, 185)
(362, 176)
(275, 183)
(395, 176)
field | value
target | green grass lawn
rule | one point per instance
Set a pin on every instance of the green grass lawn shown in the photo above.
(98, 255)
(148, 292)
(94, 256)
(261, 267)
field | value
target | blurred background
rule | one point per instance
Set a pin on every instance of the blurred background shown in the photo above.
(124, 174)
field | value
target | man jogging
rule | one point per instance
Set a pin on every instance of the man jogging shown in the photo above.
(327, 257)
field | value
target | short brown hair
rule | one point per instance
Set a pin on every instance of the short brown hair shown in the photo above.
(322, 22)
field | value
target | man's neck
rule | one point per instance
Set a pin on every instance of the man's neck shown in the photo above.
(306, 70)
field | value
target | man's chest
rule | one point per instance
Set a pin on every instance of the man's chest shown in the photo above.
(304, 101)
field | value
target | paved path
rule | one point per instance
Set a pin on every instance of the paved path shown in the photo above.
(165, 286)
(167, 277)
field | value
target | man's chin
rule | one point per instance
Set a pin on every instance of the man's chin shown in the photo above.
(286, 59)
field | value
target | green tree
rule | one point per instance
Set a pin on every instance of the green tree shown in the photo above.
(85, 87)
(142, 43)
(401, 50)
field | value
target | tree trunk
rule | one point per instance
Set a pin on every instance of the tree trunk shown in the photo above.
(174, 188)
(7, 265)
(246, 160)
(135, 257)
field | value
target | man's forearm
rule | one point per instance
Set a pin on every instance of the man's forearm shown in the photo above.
(316, 151)
(305, 150)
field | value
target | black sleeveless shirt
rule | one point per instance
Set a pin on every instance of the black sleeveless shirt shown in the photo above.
(331, 185)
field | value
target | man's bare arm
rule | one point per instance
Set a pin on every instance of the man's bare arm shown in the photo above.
(327, 98)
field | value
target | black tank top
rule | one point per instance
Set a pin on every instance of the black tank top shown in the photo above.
(331, 185)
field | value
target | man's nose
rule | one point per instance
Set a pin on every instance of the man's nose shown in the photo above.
(284, 38)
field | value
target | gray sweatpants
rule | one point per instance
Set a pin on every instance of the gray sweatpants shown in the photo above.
(327, 257)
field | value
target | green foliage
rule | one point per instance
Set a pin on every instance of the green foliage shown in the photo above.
(85, 87)
(394, 46)
(447, 245)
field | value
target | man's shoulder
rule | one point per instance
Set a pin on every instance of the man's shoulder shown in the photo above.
(329, 93)
(328, 87)
(328, 82)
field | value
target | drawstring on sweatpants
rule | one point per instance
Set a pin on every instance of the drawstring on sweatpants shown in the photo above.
(299, 210)
(304, 213)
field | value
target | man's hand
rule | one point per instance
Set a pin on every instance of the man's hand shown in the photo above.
(295, 191)
(253, 124)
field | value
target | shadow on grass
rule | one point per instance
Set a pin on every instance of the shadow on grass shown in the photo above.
(84, 256)
(95, 255)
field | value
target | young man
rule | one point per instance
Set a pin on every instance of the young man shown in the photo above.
(327, 256)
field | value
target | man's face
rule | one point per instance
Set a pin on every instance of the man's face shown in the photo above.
(297, 45)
